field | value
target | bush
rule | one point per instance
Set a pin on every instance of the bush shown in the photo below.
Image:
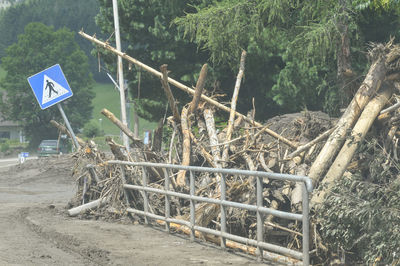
(361, 214)
(4, 147)
(92, 130)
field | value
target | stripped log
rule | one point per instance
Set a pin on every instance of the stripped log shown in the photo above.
(370, 85)
(361, 128)
(233, 109)
(185, 88)
(88, 206)
(215, 150)
(168, 92)
(124, 128)
(180, 180)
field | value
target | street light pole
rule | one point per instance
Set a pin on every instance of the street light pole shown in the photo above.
(120, 73)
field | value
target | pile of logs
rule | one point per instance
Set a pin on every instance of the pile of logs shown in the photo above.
(309, 144)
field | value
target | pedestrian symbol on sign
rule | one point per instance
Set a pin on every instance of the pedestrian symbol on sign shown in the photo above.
(50, 85)
(51, 90)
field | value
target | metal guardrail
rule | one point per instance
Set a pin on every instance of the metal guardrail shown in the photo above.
(258, 208)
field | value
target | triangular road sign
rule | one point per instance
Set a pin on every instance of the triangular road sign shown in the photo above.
(51, 90)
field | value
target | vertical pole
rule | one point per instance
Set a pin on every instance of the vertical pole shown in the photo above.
(192, 207)
(260, 222)
(120, 73)
(306, 226)
(75, 141)
(145, 199)
(167, 199)
(223, 211)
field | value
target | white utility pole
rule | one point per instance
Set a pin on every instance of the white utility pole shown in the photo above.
(120, 73)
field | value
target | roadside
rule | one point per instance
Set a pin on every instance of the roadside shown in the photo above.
(35, 229)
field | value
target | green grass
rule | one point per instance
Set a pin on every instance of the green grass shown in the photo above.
(108, 97)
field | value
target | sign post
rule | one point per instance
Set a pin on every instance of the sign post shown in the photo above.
(51, 87)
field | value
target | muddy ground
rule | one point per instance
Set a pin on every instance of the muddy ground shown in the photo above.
(35, 229)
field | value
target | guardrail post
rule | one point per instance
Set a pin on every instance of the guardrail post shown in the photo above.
(145, 199)
(306, 226)
(192, 208)
(260, 222)
(167, 199)
(223, 211)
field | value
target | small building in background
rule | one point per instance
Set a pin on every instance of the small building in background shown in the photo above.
(11, 130)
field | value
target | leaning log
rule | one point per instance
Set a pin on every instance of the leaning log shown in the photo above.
(64, 130)
(124, 128)
(183, 87)
(370, 85)
(358, 133)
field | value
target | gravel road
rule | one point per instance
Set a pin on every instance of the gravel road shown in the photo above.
(35, 229)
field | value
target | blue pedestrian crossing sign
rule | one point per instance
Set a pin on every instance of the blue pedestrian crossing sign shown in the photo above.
(50, 86)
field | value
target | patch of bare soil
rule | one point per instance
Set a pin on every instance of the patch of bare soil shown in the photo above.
(35, 229)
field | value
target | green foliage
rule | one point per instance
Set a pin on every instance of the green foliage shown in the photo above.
(91, 130)
(39, 48)
(361, 214)
(73, 14)
(148, 35)
(4, 147)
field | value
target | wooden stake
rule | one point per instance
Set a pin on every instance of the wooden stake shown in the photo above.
(233, 108)
(180, 180)
(168, 92)
(199, 89)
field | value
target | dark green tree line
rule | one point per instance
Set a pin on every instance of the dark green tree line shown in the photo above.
(38, 48)
(73, 14)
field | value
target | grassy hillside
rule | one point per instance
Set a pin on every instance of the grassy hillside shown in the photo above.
(108, 97)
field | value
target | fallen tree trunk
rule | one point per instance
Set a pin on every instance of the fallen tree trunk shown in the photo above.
(182, 86)
(370, 85)
(91, 205)
(361, 128)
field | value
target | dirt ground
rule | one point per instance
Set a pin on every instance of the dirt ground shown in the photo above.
(35, 229)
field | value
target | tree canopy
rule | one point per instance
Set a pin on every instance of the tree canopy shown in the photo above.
(73, 14)
(38, 48)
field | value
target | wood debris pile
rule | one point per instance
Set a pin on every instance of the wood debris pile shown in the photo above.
(300, 144)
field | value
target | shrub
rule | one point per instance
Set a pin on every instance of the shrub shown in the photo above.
(361, 214)
(92, 130)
